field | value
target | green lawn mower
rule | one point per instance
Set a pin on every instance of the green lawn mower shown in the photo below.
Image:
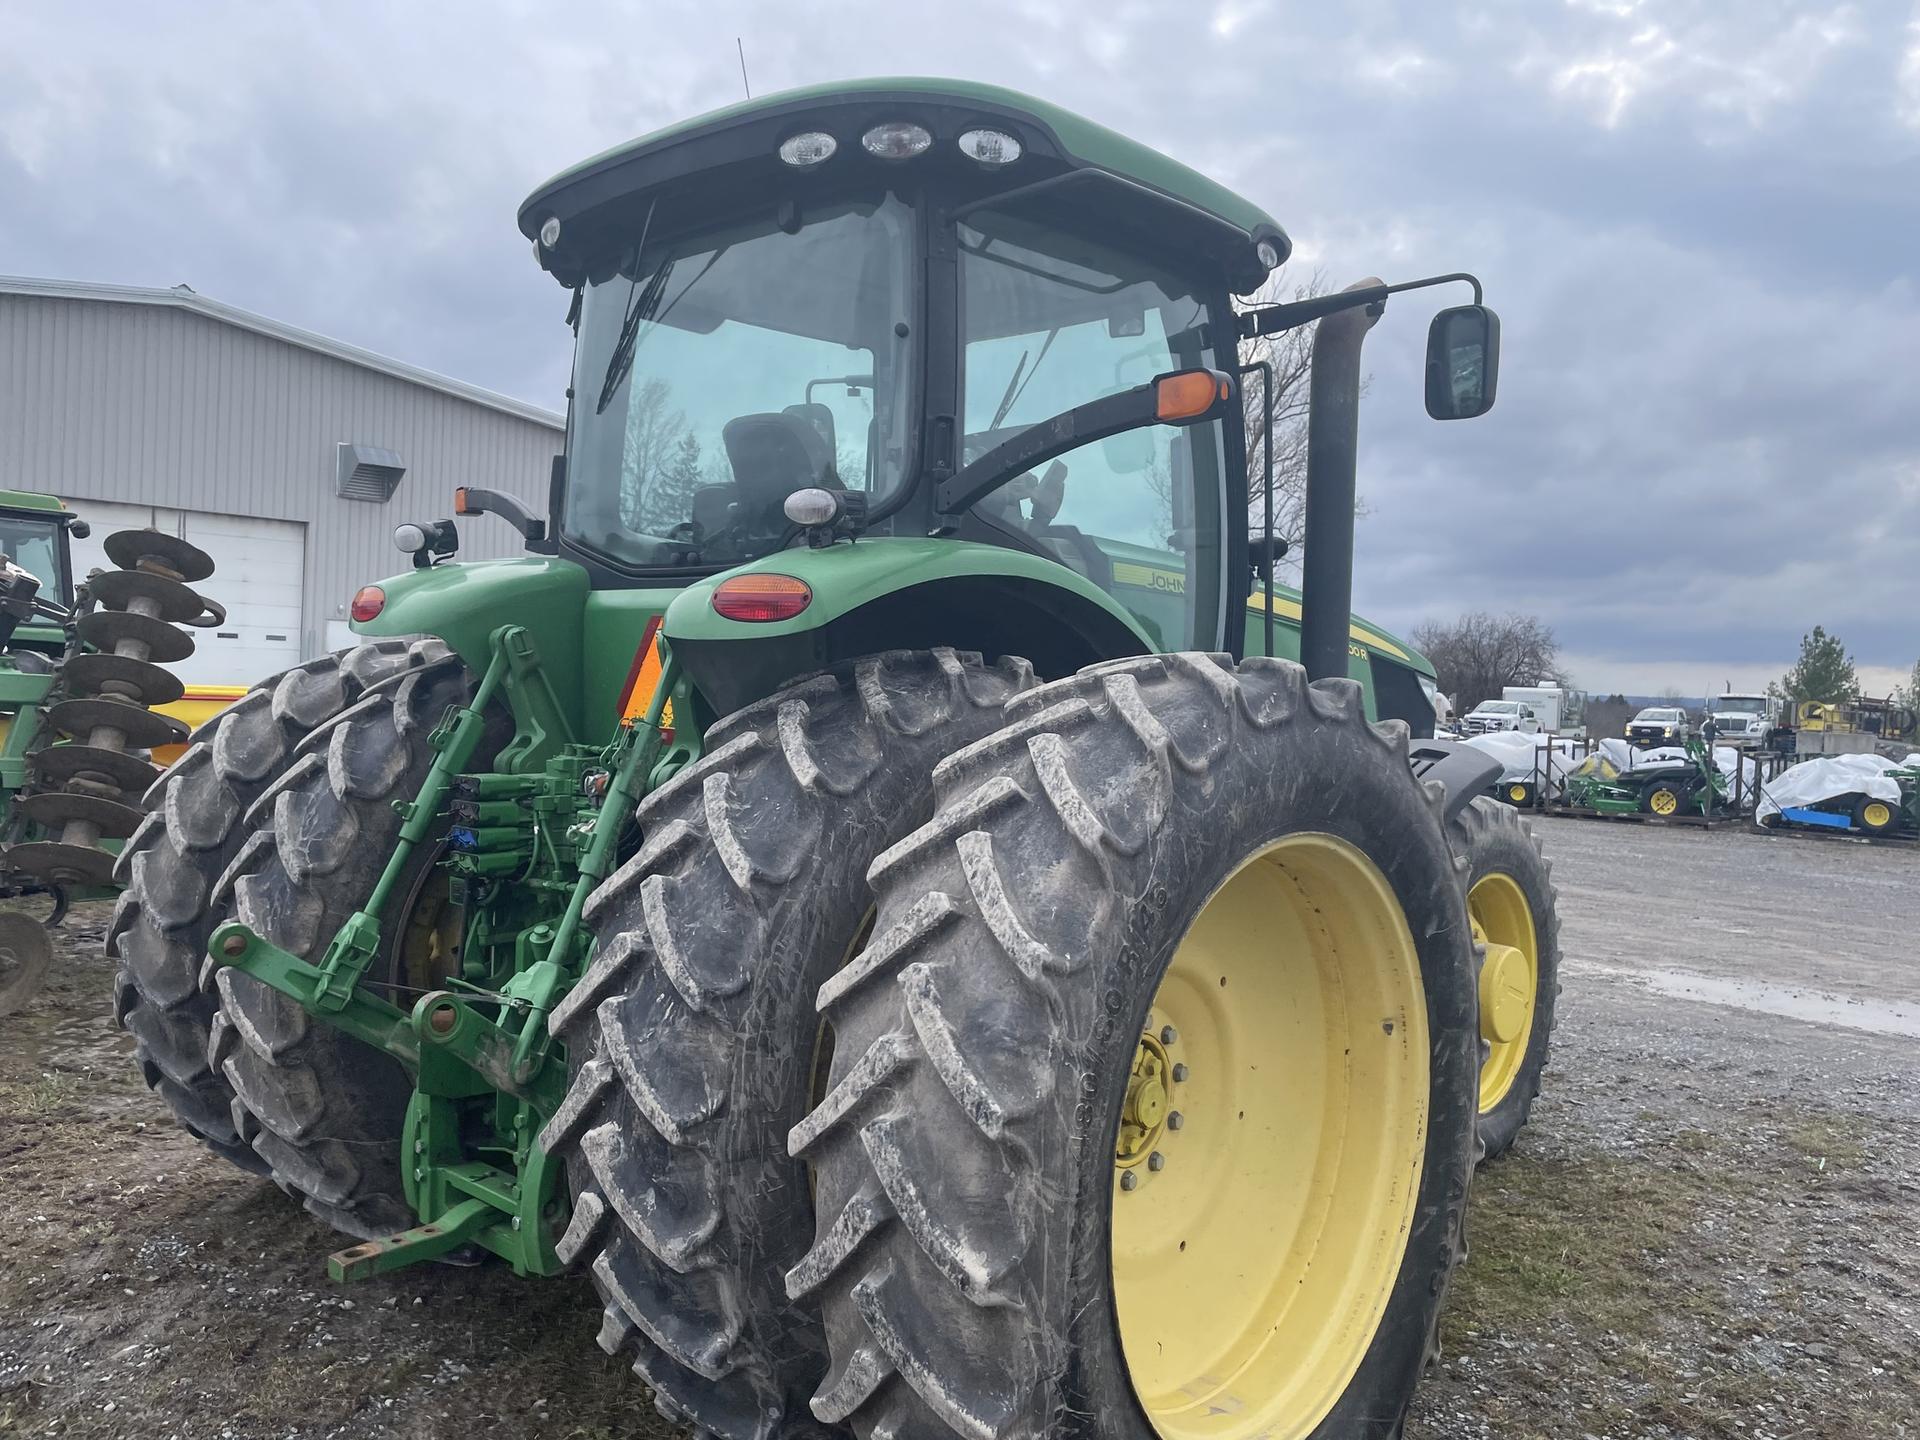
(887, 885)
(1694, 786)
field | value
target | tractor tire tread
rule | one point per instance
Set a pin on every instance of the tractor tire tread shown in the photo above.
(701, 934)
(171, 865)
(321, 1110)
(939, 1320)
(1488, 829)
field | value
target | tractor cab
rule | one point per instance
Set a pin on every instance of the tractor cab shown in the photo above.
(906, 311)
(38, 580)
(872, 290)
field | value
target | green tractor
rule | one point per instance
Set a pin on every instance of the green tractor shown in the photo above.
(80, 675)
(887, 885)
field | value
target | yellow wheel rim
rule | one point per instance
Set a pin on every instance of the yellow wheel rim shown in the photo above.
(1876, 816)
(1664, 802)
(1269, 1152)
(1509, 981)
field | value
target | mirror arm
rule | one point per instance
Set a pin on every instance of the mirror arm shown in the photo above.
(1037, 444)
(1273, 319)
(472, 500)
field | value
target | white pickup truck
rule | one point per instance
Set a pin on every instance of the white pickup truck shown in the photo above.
(1490, 716)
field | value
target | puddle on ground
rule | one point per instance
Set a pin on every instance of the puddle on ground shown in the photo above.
(1822, 1007)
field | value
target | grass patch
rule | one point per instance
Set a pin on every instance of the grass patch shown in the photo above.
(1839, 1140)
(1588, 1238)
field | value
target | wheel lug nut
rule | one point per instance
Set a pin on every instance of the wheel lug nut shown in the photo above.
(1175, 1120)
(1168, 1035)
(1129, 1180)
(1156, 1162)
(1180, 1072)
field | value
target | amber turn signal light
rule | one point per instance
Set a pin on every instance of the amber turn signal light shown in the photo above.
(1189, 394)
(761, 598)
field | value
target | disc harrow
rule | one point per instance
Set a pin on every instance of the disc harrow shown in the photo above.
(88, 786)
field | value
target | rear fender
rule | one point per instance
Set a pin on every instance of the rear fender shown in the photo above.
(891, 594)
(464, 603)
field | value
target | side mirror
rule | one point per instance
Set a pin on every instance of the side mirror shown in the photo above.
(1463, 362)
(79, 529)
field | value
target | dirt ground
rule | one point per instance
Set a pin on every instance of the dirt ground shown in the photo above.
(1712, 1228)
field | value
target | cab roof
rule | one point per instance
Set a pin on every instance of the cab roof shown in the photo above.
(735, 148)
(31, 500)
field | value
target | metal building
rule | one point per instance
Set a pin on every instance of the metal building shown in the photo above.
(287, 456)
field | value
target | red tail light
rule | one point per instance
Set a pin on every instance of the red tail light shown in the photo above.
(761, 597)
(368, 601)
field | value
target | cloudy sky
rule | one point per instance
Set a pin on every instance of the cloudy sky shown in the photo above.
(1700, 223)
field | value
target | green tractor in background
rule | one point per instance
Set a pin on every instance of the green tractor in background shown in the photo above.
(80, 677)
(872, 886)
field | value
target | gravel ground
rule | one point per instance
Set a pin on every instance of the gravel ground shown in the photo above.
(1712, 1228)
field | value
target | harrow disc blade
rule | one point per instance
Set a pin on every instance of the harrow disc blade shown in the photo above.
(62, 863)
(118, 589)
(105, 629)
(92, 673)
(156, 552)
(25, 953)
(143, 728)
(54, 808)
(57, 764)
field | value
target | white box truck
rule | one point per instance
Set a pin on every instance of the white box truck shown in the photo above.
(1558, 710)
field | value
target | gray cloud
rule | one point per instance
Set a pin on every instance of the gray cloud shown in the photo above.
(1698, 222)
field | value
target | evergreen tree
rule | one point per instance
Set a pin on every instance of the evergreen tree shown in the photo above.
(672, 497)
(1908, 695)
(1824, 671)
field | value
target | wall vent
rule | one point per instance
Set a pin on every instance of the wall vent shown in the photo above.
(366, 472)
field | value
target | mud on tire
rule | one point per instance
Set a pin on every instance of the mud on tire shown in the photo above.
(172, 862)
(323, 1110)
(1495, 840)
(693, 1035)
(964, 1155)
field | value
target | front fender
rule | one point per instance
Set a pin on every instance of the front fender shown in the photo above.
(463, 603)
(886, 593)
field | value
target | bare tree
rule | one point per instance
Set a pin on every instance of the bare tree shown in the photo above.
(1479, 654)
(1290, 353)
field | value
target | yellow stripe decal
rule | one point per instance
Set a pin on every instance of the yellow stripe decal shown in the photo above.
(1285, 605)
(1149, 577)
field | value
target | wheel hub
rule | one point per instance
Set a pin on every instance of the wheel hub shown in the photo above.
(1143, 1116)
(1506, 994)
(1509, 980)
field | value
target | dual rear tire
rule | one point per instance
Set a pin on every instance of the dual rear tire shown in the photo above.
(1172, 920)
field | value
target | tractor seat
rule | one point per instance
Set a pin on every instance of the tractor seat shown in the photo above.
(773, 455)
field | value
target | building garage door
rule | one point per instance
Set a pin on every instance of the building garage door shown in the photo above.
(259, 572)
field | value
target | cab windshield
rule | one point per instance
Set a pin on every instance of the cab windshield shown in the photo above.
(1740, 705)
(34, 546)
(719, 370)
(1051, 319)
